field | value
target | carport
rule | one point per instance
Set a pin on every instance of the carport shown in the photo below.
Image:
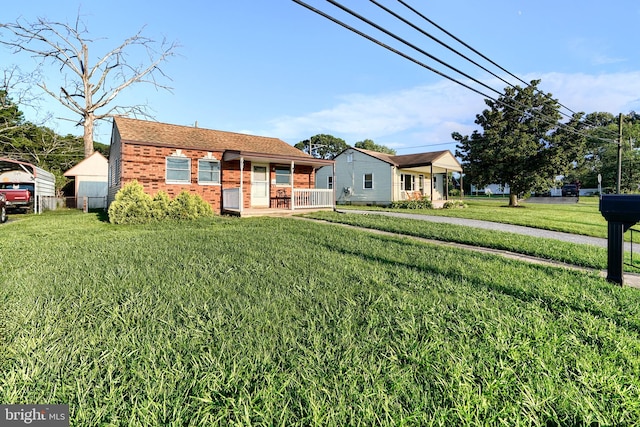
(39, 182)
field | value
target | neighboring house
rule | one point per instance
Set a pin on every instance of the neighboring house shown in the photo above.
(491, 189)
(368, 177)
(90, 182)
(236, 173)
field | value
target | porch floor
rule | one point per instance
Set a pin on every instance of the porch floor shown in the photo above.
(270, 211)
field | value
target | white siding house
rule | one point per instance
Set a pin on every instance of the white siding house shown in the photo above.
(369, 177)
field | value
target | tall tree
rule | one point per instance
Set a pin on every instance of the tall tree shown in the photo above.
(322, 146)
(88, 88)
(368, 144)
(517, 146)
(602, 152)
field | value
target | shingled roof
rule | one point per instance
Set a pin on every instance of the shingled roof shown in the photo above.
(408, 160)
(162, 134)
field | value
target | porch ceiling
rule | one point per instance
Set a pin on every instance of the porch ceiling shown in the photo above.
(437, 168)
(271, 158)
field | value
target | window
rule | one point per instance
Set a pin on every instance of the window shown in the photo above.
(408, 182)
(283, 175)
(208, 171)
(367, 181)
(330, 182)
(178, 170)
(350, 158)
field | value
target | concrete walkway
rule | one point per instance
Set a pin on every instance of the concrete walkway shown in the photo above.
(632, 280)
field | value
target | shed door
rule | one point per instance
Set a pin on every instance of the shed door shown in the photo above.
(259, 185)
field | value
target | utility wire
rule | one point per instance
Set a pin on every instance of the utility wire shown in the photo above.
(372, 39)
(411, 45)
(421, 15)
(397, 52)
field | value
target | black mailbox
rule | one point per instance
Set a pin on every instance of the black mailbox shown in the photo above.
(621, 211)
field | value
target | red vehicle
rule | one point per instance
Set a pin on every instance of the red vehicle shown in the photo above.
(17, 198)
(3, 209)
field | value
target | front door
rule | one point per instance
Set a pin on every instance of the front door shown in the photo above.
(260, 185)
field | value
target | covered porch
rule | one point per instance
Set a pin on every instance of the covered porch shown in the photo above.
(266, 185)
(427, 175)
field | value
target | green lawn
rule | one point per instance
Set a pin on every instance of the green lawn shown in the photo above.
(278, 321)
(579, 218)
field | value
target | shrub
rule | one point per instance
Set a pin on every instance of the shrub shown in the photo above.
(189, 206)
(454, 204)
(454, 192)
(133, 206)
(423, 203)
(161, 206)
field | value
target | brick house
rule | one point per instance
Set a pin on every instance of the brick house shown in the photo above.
(235, 173)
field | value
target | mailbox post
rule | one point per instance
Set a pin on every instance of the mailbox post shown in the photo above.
(621, 211)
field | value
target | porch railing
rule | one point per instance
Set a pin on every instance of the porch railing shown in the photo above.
(312, 198)
(231, 198)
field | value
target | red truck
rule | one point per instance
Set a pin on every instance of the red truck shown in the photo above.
(17, 198)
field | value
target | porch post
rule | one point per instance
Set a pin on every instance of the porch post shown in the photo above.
(333, 185)
(431, 187)
(241, 184)
(293, 167)
(446, 185)
(461, 187)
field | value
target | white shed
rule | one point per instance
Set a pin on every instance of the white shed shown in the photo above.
(91, 184)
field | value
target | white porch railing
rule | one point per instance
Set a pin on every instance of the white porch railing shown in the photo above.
(309, 199)
(231, 198)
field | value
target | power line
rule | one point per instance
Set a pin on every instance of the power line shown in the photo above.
(372, 39)
(379, 43)
(411, 45)
(421, 15)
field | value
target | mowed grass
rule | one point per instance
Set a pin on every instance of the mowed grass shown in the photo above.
(273, 321)
(583, 217)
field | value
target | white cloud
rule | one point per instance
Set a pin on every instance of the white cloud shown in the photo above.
(427, 115)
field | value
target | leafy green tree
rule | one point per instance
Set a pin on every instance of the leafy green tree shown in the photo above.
(519, 145)
(322, 146)
(602, 152)
(368, 144)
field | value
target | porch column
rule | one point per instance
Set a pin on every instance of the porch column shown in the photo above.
(293, 166)
(333, 184)
(431, 186)
(446, 185)
(461, 186)
(241, 184)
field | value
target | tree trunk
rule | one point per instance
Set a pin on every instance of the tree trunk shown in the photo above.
(88, 135)
(513, 199)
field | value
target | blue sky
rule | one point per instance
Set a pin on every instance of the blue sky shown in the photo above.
(274, 68)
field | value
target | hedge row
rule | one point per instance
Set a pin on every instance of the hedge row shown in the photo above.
(133, 206)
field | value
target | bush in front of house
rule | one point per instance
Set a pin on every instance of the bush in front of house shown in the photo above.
(423, 203)
(133, 206)
(454, 204)
(189, 206)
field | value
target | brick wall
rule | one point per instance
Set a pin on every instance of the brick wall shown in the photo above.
(147, 165)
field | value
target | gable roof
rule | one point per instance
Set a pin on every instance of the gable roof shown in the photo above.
(414, 160)
(94, 165)
(167, 135)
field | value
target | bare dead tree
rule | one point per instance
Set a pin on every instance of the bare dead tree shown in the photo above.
(14, 92)
(89, 88)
